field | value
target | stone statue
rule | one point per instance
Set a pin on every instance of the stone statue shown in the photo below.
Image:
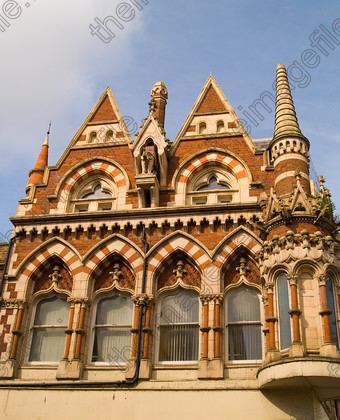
(147, 161)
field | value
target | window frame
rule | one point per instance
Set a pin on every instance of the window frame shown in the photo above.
(330, 279)
(93, 325)
(157, 329)
(278, 328)
(29, 341)
(227, 361)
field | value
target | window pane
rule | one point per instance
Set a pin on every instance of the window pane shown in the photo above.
(332, 316)
(179, 343)
(284, 317)
(180, 307)
(112, 345)
(244, 342)
(112, 342)
(115, 310)
(53, 311)
(47, 345)
(243, 305)
(179, 331)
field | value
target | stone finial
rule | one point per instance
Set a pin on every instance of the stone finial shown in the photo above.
(286, 122)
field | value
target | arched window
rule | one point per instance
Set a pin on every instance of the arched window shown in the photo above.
(214, 184)
(112, 330)
(243, 324)
(332, 307)
(178, 326)
(48, 330)
(92, 137)
(95, 194)
(220, 126)
(283, 311)
(202, 128)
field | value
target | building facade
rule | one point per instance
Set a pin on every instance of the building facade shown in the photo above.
(147, 274)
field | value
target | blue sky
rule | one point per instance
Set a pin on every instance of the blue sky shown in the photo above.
(52, 68)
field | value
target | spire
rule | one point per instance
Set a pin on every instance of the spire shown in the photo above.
(159, 96)
(286, 123)
(37, 173)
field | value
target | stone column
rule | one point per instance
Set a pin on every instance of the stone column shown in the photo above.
(218, 300)
(69, 331)
(210, 364)
(328, 348)
(142, 303)
(272, 352)
(8, 368)
(296, 348)
(205, 326)
(17, 330)
(71, 366)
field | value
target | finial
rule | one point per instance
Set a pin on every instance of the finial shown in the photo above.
(286, 122)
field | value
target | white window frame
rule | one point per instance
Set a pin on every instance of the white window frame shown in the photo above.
(93, 331)
(158, 332)
(227, 361)
(286, 349)
(32, 327)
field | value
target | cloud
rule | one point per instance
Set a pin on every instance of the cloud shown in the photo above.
(50, 68)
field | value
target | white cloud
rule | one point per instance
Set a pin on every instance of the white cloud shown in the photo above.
(50, 64)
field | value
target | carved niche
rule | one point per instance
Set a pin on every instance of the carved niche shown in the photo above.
(179, 270)
(114, 272)
(52, 273)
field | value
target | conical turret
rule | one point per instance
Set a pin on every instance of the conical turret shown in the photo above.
(37, 173)
(289, 147)
(286, 122)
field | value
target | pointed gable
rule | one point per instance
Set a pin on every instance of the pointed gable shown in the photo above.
(211, 102)
(104, 112)
(212, 115)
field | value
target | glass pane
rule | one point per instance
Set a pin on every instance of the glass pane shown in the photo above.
(284, 317)
(243, 304)
(97, 192)
(112, 345)
(213, 184)
(332, 316)
(47, 345)
(180, 307)
(116, 310)
(244, 342)
(53, 311)
(179, 343)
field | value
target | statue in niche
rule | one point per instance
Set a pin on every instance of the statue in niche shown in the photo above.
(116, 273)
(148, 159)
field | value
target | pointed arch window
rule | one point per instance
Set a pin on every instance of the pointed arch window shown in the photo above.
(220, 126)
(178, 326)
(214, 184)
(285, 334)
(243, 324)
(48, 330)
(333, 315)
(112, 330)
(96, 194)
(202, 128)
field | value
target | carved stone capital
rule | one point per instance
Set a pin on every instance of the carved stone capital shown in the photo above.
(12, 303)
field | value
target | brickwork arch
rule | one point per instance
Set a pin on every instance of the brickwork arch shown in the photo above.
(211, 158)
(87, 169)
(240, 237)
(55, 247)
(178, 241)
(118, 245)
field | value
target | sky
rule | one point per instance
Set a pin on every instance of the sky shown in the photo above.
(54, 66)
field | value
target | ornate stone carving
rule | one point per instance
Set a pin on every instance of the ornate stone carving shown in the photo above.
(118, 275)
(179, 272)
